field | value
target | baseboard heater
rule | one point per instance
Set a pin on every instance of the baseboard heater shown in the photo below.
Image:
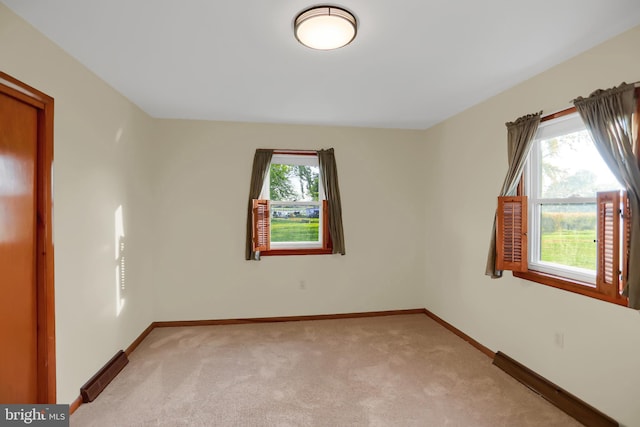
(99, 381)
(570, 404)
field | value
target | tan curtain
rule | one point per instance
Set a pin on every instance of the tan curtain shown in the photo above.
(261, 162)
(329, 175)
(608, 117)
(520, 136)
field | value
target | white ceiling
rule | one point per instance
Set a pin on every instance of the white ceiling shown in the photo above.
(413, 63)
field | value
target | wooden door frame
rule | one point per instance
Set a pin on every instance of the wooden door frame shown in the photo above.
(45, 301)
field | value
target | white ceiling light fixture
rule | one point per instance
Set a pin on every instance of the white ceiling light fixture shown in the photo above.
(325, 27)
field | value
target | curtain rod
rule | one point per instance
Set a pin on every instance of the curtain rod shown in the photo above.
(570, 109)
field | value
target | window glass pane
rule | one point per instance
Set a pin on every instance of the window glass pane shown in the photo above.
(289, 183)
(571, 166)
(295, 223)
(567, 234)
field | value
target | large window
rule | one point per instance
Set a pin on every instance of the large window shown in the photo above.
(569, 225)
(564, 175)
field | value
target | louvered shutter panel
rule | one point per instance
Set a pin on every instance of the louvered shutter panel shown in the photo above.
(327, 243)
(511, 234)
(608, 268)
(626, 240)
(261, 232)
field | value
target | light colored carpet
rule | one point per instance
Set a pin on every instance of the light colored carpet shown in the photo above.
(403, 370)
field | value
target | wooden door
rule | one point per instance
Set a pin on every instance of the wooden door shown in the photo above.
(26, 279)
(18, 359)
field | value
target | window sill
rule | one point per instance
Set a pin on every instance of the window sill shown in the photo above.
(286, 252)
(570, 285)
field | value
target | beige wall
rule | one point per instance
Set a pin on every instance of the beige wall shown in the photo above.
(430, 194)
(104, 152)
(467, 162)
(100, 162)
(202, 172)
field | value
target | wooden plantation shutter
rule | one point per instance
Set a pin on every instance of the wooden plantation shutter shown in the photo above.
(626, 240)
(327, 243)
(614, 232)
(261, 232)
(511, 233)
(608, 265)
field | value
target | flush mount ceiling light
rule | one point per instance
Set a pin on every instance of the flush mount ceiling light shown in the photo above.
(325, 27)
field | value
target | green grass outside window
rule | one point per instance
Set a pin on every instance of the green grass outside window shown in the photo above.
(294, 229)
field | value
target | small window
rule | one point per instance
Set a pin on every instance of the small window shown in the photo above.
(294, 190)
(291, 215)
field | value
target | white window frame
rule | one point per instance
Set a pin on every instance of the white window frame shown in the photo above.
(557, 127)
(296, 160)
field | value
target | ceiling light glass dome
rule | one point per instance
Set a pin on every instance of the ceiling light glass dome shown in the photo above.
(325, 27)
